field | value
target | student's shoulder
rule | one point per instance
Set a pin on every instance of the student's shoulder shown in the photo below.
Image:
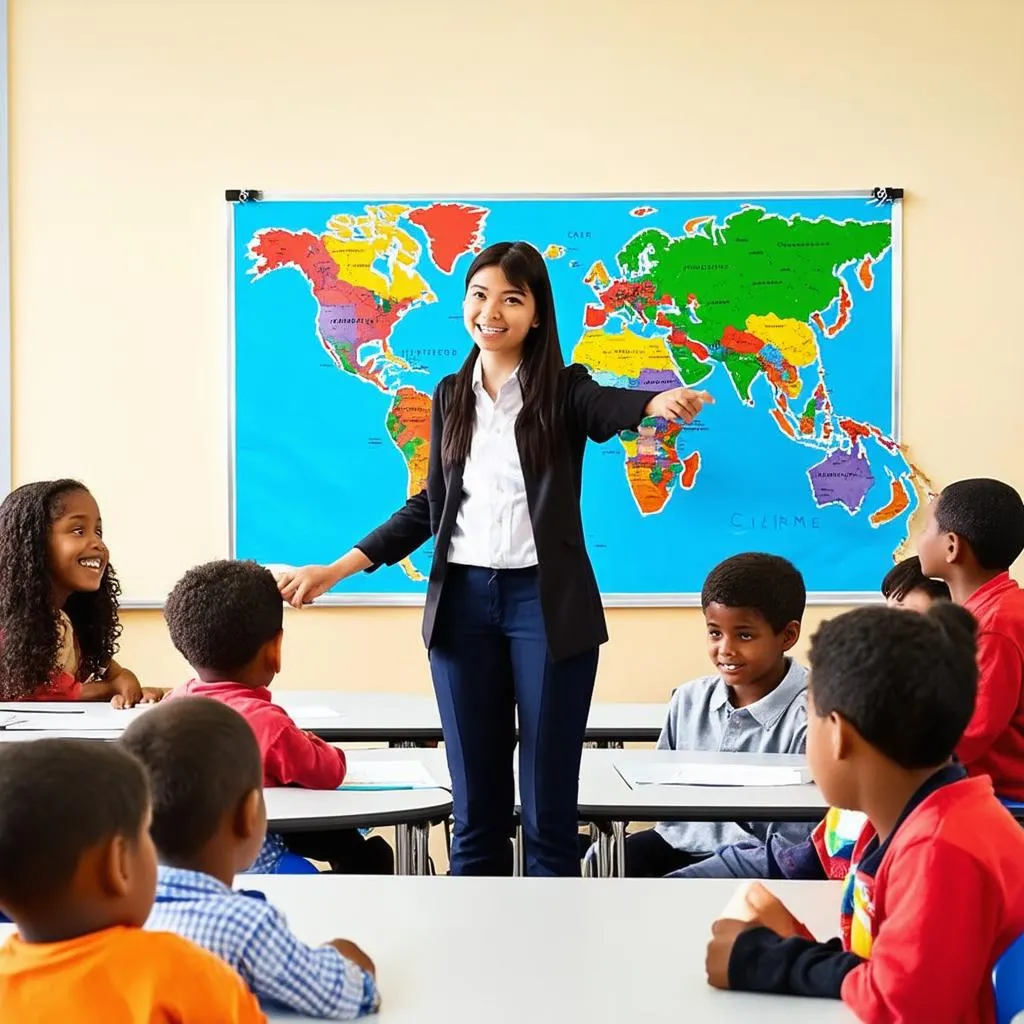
(174, 957)
(695, 693)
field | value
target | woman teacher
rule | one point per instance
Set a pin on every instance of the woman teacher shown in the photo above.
(513, 617)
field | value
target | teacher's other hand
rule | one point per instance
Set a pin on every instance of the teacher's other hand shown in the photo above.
(305, 585)
(678, 404)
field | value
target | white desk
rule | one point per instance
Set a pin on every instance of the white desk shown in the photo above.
(412, 812)
(398, 718)
(542, 950)
(545, 950)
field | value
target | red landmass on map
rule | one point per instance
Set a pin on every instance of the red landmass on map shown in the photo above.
(369, 316)
(740, 341)
(451, 229)
(691, 466)
(594, 316)
(853, 429)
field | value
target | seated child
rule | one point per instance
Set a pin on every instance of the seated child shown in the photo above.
(209, 821)
(58, 600)
(826, 854)
(975, 532)
(936, 891)
(226, 619)
(755, 702)
(905, 586)
(77, 876)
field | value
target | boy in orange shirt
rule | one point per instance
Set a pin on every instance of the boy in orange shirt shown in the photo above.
(78, 877)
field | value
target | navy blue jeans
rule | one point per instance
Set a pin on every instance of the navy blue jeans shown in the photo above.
(489, 658)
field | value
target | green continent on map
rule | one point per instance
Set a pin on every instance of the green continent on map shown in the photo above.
(752, 264)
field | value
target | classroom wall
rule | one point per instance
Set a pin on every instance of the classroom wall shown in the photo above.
(129, 118)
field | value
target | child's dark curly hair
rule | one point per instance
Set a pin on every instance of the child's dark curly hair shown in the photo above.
(29, 630)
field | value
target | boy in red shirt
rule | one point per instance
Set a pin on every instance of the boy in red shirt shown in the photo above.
(78, 877)
(226, 618)
(935, 893)
(975, 532)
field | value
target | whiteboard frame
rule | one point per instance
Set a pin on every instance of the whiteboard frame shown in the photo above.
(821, 598)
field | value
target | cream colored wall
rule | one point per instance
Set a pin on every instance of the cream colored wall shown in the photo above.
(130, 117)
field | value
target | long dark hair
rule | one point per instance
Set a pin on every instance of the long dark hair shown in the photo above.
(538, 375)
(29, 630)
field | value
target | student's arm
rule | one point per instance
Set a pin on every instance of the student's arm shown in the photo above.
(121, 687)
(933, 952)
(298, 758)
(319, 982)
(761, 961)
(1000, 672)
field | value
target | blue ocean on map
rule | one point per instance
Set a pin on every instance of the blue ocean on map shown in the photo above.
(315, 467)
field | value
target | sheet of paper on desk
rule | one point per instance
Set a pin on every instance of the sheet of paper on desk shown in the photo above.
(7, 720)
(653, 774)
(388, 775)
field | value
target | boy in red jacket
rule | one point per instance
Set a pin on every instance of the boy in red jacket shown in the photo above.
(975, 532)
(935, 893)
(226, 618)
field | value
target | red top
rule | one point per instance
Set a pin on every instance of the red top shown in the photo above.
(993, 743)
(291, 757)
(945, 903)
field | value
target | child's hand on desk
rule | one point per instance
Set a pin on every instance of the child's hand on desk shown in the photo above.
(137, 695)
(350, 951)
(723, 937)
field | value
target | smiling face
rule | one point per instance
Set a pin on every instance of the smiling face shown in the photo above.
(498, 315)
(745, 649)
(76, 554)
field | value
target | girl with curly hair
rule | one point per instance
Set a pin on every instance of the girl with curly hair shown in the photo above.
(58, 600)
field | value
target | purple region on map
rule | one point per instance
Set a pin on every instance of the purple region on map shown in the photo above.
(843, 477)
(338, 323)
(657, 380)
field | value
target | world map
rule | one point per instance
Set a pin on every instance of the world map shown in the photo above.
(348, 312)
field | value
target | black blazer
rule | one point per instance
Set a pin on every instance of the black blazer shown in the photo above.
(570, 600)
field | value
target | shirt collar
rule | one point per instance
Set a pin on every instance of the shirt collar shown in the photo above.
(771, 707)
(478, 376)
(874, 852)
(986, 590)
(197, 688)
(176, 883)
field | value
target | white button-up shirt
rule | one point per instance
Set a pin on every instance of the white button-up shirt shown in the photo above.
(493, 527)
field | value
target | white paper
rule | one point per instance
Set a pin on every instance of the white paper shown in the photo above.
(654, 774)
(7, 720)
(388, 775)
(738, 909)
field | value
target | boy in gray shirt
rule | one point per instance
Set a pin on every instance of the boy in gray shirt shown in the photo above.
(756, 702)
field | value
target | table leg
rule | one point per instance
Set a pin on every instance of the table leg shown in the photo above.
(420, 849)
(619, 848)
(403, 850)
(518, 852)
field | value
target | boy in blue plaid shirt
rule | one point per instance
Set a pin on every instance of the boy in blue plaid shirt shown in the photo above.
(209, 820)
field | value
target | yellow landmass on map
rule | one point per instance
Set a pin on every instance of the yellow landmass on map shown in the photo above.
(795, 340)
(625, 354)
(357, 242)
(598, 276)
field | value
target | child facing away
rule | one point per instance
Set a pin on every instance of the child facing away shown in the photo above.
(77, 876)
(826, 854)
(226, 619)
(58, 600)
(975, 532)
(209, 821)
(935, 894)
(755, 702)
